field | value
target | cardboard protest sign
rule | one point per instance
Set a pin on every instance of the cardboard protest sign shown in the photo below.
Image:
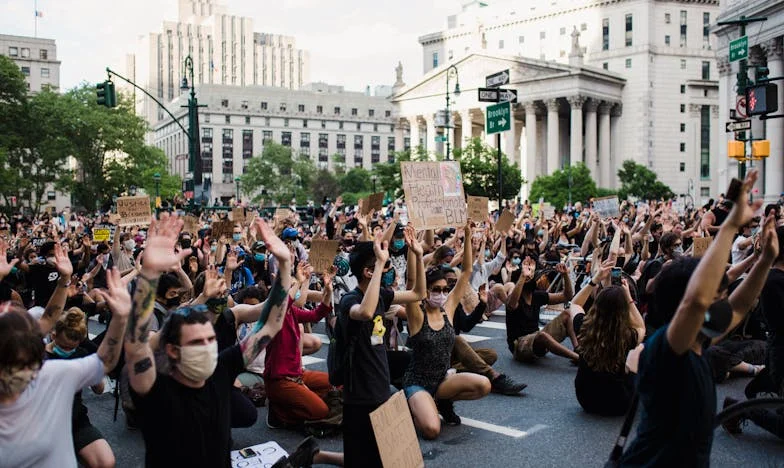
(191, 224)
(434, 194)
(322, 254)
(283, 213)
(266, 454)
(372, 203)
(678, 206)
(102, 234)
(548, 211)
(701, 245)
(222, 228)
(395, 435)
(134, 211)
(607, 207)
(238, 215)
(477, 207)
(505, 221)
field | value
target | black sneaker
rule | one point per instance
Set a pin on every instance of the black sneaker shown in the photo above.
(506, 386)
(302, 457)
(733, 424)
(272, 421)
(447, 410)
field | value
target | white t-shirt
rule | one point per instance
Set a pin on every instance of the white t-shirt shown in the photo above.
(739, 255)
(35, 430)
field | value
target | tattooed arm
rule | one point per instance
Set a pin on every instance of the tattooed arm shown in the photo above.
(138, 353)
(119, 301)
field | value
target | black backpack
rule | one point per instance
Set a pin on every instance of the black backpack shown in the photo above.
(340, 356)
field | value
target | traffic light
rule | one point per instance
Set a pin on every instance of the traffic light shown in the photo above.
(762, 99)
(762, 74)
(105, 94)
(100, 90)
(743, 77)
(760, 149)
(736, 149)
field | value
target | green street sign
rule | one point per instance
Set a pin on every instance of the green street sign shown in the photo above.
(441, 138)
(739, 49)
(498, 118)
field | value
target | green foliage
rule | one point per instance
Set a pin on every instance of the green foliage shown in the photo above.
(352, 198)
(278, 172)
(325, 184)
(554, 188)
(388, 173)
(479, 166)
(639, 181)
(357, 179)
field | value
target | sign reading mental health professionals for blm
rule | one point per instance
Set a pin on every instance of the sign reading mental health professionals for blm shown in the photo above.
(134, 211)
(434, 194)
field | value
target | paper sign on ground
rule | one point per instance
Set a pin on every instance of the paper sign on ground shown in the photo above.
(134, 211)
(222, 228)
(607, 207)
(434, 194)
(505, 221)
(191, 224)
(701, 244)
(395, 435)
(373, 203)
(477, 208)
(266, 454)
(238, 215)
(102, 234)
(322, 254)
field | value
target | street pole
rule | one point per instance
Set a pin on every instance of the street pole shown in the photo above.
(237, 183)
(448, 126)
(157, 178)
(500, 179)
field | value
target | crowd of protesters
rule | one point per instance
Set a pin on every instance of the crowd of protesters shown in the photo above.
(203, 329)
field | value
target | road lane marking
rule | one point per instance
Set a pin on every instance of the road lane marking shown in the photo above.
(493, 325)
(503, 430)
(308, 360)
(474, 338)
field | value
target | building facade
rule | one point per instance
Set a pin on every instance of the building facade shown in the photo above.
(765, 49)
(225, 51)
(36, 57)
(662, 50)
(332, 126)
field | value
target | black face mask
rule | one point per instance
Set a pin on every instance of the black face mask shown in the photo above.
(185, 243)
(172, 302)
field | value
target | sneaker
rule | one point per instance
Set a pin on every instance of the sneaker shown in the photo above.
(302, 457)
(447, 410)
(732, 424)
(273, 422)
(334, 401)
(506, 386)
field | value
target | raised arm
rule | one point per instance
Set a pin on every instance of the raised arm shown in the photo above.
(582, 296)
(420, 282)
(365, 310)
(568, 292)
(462, 285)
(119, 301)
(526, 275)
(54, 308)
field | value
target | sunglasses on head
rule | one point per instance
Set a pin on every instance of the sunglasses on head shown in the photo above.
(188, 310)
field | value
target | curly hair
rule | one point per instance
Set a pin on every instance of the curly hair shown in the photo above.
(606, 335)
(72, 324)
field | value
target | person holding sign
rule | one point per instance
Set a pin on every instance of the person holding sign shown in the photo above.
(427, 384)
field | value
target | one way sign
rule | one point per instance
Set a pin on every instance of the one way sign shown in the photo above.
(507, 95)
(738, 126)
(497, 79)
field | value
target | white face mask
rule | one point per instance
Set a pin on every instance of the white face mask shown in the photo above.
(130, 244)
(15, 382)
(198, 362)
(437, 299)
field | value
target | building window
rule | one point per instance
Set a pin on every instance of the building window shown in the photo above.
(683, 127)
(667, 18)
(247, 144)
(542, 35)
(683, 89)
(521, 39)
(706, 70)
(25, 52)
(266, 137)
(628, 30)
(225, 103)
(44, 73)
(323, 124)
(683, 28)
(340, 125)
(263, 105)
(606, 34)
(323, 155)
(706, 30)
(375, 149)
(683, 167)
(206, 135)
(304, 123)
(371, 113)
(683, 64)
(435, 59)
(390, 144)
(387, 113)
(319, 109)
(323, 140)
(375, 127)
(606, 66)
(667, 40)
(359, 126)
(227, 118)
(282, 107)
(244, 104)
(683, 147)
(500, 43)
(247, 120)
(304, 140)
(358, 141)
(628, 63)
(683, 108)
(704, 93)
(563, 31)
(206, 155)
(301, 107)
(25, 71)
(705, 135)
(705, 192)
(43, 54)
(354, 111)
(337, 111)
(285, 122)
(13, 52)
(341, 142)
(285, 139)
(358, 158)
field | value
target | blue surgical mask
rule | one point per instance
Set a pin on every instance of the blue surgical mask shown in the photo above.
(61, 352)
(398, 244)
(236, 237)
(388, 278)
(516, 261)
(213, 248)
(297, 295)
(487, 252)
(259, 257)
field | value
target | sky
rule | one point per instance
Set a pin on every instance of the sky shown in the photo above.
(353, 43)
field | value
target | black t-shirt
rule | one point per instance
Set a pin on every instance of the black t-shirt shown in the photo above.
(42, 279)
(604, 393)
(225, 329)
(772, 299)
(185, 426)
(369, 373)
(678, 407)
(524, 320)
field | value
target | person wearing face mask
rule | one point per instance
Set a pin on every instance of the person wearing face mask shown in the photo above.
(122, 250)
(428, 386)
(42, 276)
(398, 254)
(670, 248)
(259, 264)
(167, 299)
(69, 341)
(290, 238)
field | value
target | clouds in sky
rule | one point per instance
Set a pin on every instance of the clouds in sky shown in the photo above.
(351, 42)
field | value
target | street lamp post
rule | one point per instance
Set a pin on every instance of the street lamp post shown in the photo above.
(157, 178)
(194, 169)
(237, 183)
(374, 178)
(448, 124)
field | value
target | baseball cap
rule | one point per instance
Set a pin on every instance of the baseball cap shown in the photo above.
(289, 234)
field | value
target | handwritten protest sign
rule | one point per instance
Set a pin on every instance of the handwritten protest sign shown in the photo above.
(38, 241)
(372, 203)
(607, 207)
(134, 211)
(477, 207)
(102, 234)
(222, 228)
(434, 194)
(238, 214)
(548, 211)
(266, 454)
(505, 221)
(191, 224)
(283, 213)
(394, 429)
(701, 245)
(322, 254)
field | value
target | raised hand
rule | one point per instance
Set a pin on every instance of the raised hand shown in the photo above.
(5, 265)
(62, 262)
(214, 286)
(604, 271)
(529, 267)
(274, 244)
(561, 268)
(231, 261)
(159, 255)
(625, 286)
(409, 234)
(769, 238)
(116, 294)
(304, 270)
(380, 249)
(742, 211)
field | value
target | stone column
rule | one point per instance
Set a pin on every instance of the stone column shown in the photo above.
(726, 102)
(604, 145)
(528, 163)
(467, 125)
(774, 128)
(430, 138)
(414, 132)
(576, 131)
(615, 140)
(400, 136)
(553, 154)
(590, 137)
(508, 138)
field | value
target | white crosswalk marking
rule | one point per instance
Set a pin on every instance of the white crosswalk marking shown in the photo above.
(507, 431)
(474, 338)
(324, 338)
(493, 325)
(308, 360)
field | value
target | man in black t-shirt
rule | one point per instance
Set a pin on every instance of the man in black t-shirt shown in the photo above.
(43, 277)
(367, 382)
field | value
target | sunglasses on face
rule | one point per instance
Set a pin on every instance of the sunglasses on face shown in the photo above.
(445, 290)
(188, 310)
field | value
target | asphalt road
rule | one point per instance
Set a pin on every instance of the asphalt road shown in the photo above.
(544, 427)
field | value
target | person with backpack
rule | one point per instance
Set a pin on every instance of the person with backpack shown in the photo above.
(357, 357)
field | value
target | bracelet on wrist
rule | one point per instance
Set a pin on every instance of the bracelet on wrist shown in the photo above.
(591, 283)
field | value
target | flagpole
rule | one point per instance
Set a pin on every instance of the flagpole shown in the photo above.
(36, 19)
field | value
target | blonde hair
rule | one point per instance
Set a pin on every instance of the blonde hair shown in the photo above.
(72, 324)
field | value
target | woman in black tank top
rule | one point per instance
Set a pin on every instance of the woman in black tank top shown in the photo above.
(431, 336)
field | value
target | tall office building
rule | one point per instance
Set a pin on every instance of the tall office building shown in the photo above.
(225, 51)
(36, 57)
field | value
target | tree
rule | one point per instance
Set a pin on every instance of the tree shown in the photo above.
(357, 179)
(325, 184)
(554, 188)
(279, 174)
(388, 173)
(641, 182)
(479, 166)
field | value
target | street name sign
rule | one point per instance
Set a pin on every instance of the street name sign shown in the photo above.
(488, 95)
(739, 49)
(497, 79)
(738, 126)
(507, 95)
(498, 118)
